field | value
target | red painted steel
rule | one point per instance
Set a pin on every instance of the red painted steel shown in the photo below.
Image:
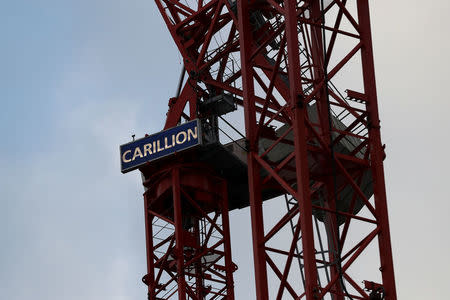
(303, 139)
(377, 152)
(187, 231)
(254, 181)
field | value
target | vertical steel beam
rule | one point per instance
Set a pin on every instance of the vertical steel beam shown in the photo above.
(301, 162)
(178, 216)
(318, 53)
(198, 267)
(376, 152)
(229, 268)
(150, 262)
(245, 39)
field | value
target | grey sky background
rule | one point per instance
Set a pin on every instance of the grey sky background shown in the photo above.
(77, 78)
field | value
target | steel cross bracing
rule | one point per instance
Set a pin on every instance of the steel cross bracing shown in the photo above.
(187, 233)
(286, 64)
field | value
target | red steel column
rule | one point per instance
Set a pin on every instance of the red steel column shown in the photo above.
(323, 111)
(198, 267)
(376, 152)
(178, 233)
(301, 162)
(227, 242)
(245, 38)
(150, 262)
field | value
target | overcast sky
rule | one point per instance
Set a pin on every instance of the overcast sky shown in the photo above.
(77, 78)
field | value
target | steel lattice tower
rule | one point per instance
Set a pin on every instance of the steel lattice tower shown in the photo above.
(296, 80)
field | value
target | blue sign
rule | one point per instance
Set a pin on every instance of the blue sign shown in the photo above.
(138, 152)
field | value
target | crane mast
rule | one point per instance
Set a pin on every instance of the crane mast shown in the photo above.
(283, 95)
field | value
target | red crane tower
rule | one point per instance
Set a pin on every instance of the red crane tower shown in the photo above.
(279, 104)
